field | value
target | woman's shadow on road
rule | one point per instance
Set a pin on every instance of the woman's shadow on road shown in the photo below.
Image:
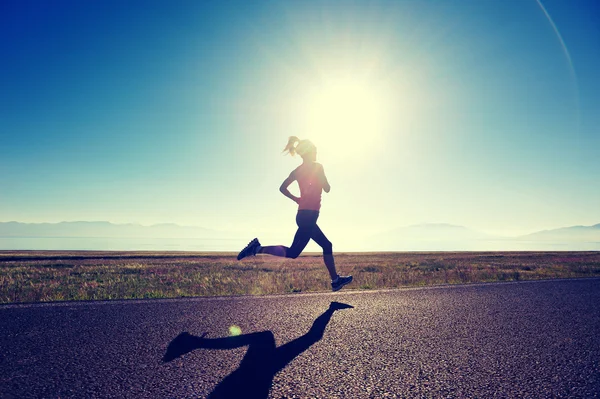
(262, 361)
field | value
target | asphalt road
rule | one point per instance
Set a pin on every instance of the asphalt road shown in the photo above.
(527, 339)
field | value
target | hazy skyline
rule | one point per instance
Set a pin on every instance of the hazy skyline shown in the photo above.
(172, 237)
(482, 114)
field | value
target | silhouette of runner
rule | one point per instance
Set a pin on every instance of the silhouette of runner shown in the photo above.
(254, 377)
(312, 181)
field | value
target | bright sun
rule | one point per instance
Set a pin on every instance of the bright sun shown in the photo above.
(345, 116)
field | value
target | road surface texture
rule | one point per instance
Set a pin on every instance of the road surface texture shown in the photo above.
(526, 339)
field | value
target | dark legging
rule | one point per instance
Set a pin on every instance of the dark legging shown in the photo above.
(307, 229)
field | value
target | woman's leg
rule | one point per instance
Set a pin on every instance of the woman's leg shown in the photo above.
(276, 250)
(306, 223)
(301, 239)
(320, 239)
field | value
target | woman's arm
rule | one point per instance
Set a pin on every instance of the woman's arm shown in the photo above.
(284, 188)
(324, 182)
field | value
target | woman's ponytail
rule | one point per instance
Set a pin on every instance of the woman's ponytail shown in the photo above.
(290, 148)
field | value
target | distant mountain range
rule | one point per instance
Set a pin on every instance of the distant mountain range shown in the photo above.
(421, 237)
(426, 237)
(106, 230)
(448, 237)
(573, 233)
(105, 236)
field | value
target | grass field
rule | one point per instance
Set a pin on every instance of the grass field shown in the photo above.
(34, 276)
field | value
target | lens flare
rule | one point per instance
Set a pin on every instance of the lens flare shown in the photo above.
(569, 61)
(235, 330)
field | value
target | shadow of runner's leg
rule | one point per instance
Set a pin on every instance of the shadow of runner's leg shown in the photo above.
(185, 343)
(254, 377)
(286, 353)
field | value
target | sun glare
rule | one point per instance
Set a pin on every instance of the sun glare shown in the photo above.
(345, 116)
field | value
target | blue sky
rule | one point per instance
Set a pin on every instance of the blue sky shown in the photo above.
(462, 112)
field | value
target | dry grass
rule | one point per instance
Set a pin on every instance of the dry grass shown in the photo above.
(55, 276)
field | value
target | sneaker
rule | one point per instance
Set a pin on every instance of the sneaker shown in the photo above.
(340, 282)
(250, 249)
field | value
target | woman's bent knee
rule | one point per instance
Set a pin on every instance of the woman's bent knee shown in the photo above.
(292, 254)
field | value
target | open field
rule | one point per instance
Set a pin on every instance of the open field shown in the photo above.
(34, 276)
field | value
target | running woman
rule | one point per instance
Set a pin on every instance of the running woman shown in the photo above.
(312, 181)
